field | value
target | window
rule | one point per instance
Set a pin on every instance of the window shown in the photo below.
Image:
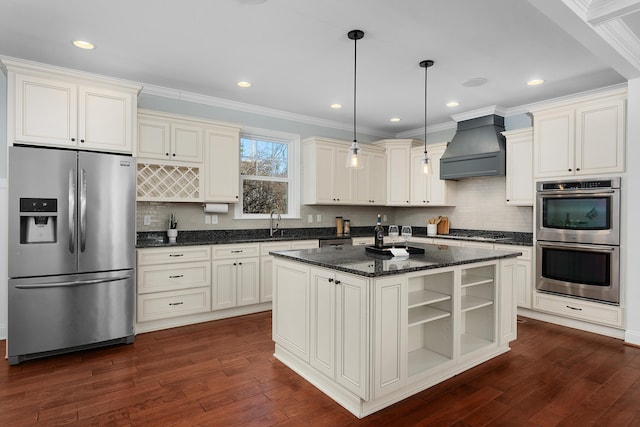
(268, 180)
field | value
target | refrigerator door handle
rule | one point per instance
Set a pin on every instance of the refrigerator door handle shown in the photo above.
(72, 211)
(71, 283)
(83, 209)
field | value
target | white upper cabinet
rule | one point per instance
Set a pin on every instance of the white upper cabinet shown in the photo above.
(55, 108)
(222, 164)
(164, 138)
(327, 180)
(581, 139)
(369, 182)
(398, 176)
(430, 190)
(519, 189)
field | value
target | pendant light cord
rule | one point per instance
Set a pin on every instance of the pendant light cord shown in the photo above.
(426, 64)
(355, 68)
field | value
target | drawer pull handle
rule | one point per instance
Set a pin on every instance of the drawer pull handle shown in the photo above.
(176, 277)
(237, 252)
(176, 303)
(175, 255)
(574, 308)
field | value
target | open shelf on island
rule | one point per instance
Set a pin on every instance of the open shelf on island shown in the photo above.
(425, 296)
(470, 302)
(424, 314)
(470, 343)
(471, 279)
(423, 359)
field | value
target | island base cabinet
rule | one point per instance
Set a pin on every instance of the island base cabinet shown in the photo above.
(291, 312)
(369, 342)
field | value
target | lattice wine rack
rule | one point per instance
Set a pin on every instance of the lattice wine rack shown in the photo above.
(158, 182)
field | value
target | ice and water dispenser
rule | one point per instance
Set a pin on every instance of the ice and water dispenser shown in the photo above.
(38, 220)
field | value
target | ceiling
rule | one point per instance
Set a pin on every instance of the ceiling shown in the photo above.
(298, 57)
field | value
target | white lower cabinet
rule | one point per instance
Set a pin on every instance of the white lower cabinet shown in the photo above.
(380, 339)
(389, 335)
(173, 282)
(266, 262)
(236, 279)
(523, 276)
(339, 328)
(589, 311)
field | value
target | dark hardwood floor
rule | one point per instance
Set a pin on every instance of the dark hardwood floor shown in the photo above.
(223, 373)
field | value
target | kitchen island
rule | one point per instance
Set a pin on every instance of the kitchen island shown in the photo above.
(369, 330)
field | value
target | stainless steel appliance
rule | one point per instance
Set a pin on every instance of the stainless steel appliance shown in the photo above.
(579, 211)
(578, 238)
(71, 251)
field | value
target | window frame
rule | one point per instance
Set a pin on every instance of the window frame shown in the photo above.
(293, 181)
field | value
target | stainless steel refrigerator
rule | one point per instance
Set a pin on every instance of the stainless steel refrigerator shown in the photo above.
(71, 251)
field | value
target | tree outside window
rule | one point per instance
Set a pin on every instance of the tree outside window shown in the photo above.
(264, 173)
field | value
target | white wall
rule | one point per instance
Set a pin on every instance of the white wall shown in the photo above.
(3, 258)
(630, 211)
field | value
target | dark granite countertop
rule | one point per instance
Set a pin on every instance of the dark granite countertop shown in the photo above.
(158, 239)
(356, 260)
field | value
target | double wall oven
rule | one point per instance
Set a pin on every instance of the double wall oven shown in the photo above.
(578, 238)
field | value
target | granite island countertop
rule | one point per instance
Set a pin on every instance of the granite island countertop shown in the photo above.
(356, 260)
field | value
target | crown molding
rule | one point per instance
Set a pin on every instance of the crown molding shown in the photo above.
(480, 112)
(255, 109)
(419, 133)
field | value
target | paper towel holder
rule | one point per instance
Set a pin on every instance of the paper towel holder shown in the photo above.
(215, 208)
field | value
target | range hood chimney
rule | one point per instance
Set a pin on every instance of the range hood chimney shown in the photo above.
(477, 149)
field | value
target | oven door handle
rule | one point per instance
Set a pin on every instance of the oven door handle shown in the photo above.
(581, 246)
(582, 191)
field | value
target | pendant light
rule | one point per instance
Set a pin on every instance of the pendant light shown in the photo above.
(353, 158)
(425, 159)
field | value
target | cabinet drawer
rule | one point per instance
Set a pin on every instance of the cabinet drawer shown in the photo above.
(162, 305)
(174, 255)
(154, 278)
(362, 241)
(235, 251)
(304, 244)
(265, 248)
(583, 310)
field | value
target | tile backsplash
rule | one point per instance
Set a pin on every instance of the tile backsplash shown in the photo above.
(480, 205)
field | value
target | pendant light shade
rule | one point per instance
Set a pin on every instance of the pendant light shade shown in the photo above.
(353, 158)
(426, 168)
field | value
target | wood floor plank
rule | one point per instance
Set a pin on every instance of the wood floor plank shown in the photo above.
(223, 373)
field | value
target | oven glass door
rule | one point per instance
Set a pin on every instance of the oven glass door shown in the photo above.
(583, 271)
(579, 217)
(577, 213)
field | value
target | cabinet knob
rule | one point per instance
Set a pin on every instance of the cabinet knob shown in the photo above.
(174, 154)
(166, 154)
(338, 282)
(569, 169)
(577, 169)
(82, 140)
(73, 139)
(239, 263)
(330, 280)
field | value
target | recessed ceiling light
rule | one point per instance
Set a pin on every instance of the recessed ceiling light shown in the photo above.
(477, 81)
(83, 44)
(244, 84)
(453, 104)
(394, 119)
(336, 106)
(535, 82)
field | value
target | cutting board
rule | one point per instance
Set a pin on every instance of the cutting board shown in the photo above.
(443, 225)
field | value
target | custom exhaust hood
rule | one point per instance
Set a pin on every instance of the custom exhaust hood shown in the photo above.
(477, 149)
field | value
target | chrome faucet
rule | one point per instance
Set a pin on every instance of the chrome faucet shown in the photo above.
(271, 229)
